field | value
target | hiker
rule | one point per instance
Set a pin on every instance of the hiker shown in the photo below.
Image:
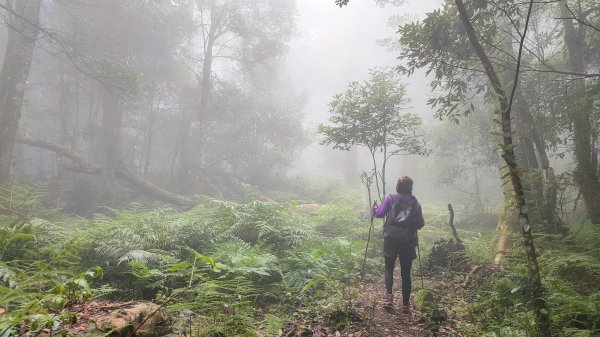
(403, 218)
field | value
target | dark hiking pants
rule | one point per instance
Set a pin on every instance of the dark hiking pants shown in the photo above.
(393, 249)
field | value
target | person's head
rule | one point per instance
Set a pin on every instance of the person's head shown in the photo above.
(404, 185)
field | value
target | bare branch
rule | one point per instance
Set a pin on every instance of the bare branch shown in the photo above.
(517, 72)
(581, 21)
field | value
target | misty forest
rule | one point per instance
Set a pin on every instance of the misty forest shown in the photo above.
(220, 168)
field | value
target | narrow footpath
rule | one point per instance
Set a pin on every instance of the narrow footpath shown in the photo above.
(380, 321)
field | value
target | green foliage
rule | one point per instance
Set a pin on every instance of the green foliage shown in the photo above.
(277, 226)
(76, 290)
(425, 300)
(153, 237)
(221, 294)
(324, 270)
(35, 302)
(503, 304)
(17, 199)
(342, 219)
(369, 114)
(273, 325)
(569, 271)
(585, 236)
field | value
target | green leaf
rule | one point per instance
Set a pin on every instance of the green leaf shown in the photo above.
(179, 266)
(206, 259)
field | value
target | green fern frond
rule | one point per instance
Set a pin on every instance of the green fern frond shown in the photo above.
(264, 230)
(241, 243)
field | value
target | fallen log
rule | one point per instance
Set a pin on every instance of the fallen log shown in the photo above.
(122, 171)
(146, 185)
(82, 165)
(120, 319)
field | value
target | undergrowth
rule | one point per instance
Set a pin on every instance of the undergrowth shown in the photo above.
(249, 269)
(570, 268)
(241, 268)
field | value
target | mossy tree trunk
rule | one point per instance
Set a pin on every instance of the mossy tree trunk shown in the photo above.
(508, 153)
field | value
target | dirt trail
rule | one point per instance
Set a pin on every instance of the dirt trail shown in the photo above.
(383, 322)
(386, 322)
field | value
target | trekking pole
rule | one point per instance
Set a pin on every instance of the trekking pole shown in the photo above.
(420, 266)
(362, 271)
(367, 180)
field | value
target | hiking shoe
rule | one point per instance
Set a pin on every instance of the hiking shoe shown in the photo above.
(406, 309)
(388, 300)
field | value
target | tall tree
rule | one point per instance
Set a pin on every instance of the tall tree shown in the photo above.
(505, 104)
(579, 36)
(239, 34)
(23, 17)
(115, 45)
(135, 75)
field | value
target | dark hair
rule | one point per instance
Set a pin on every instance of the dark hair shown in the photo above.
(404, 185)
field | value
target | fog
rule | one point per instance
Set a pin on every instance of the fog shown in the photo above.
(166, 100)
(338, 45)
(230, 167)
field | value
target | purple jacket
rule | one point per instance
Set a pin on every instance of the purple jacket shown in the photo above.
(385, 205)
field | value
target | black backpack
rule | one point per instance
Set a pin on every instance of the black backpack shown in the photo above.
(400, 220)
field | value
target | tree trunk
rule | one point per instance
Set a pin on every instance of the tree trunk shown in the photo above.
(351, 165)
(112, 118)
(184, 149)
(508, 221)
(539, 303)
(526, 155)
(586, 173)
(146, 158)
(205, 91)
(23, 17)
(530, 143)
(547, 180)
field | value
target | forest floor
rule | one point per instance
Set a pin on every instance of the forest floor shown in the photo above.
(375, 320)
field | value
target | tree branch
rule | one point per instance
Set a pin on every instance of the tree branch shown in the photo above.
(581, 21)
(520, 54)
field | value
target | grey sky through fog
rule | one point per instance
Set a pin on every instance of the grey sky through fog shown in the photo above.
(337, 45)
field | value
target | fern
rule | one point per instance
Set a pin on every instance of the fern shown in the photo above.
(324, 270)
(572, 272)
(17, 200)
(270, 224)
(585, 236)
